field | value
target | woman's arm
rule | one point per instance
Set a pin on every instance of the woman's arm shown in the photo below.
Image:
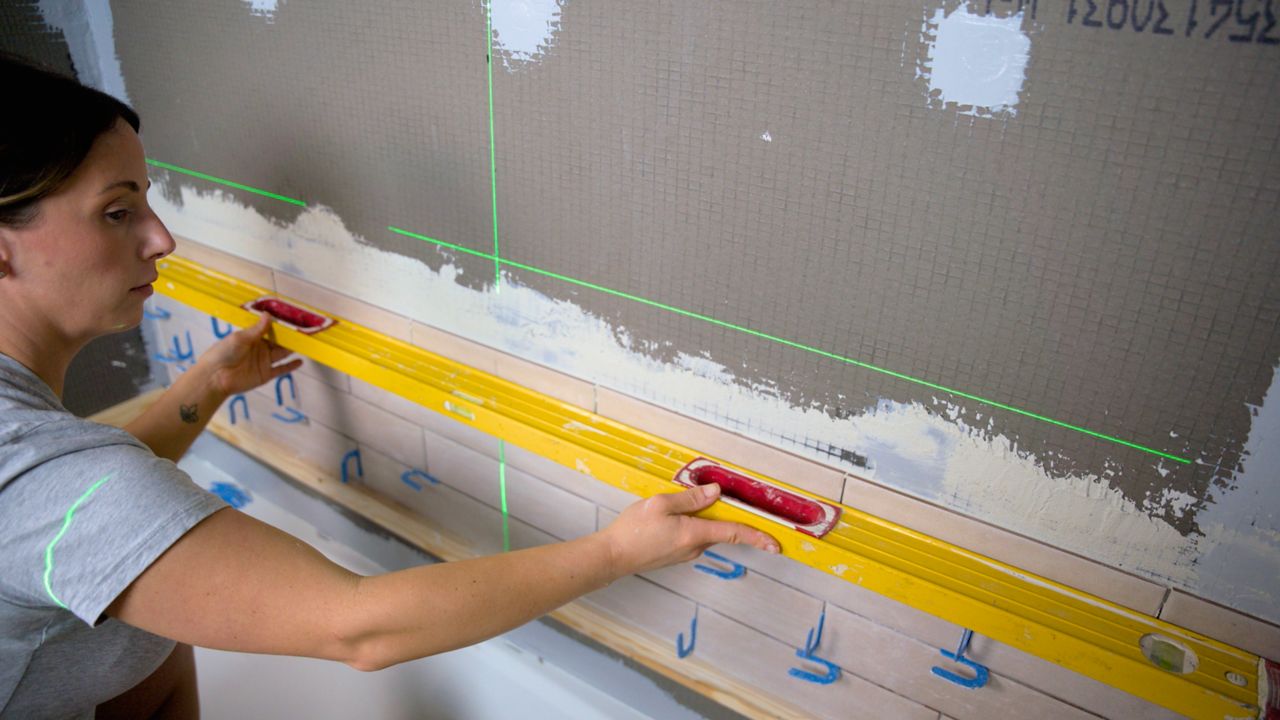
(237, 363)
(179, 415)
(234, 583)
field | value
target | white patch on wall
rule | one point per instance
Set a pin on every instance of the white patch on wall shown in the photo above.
(89, 31)
(264, 8)
(976, 63)
(1240, 551)
(523, 30)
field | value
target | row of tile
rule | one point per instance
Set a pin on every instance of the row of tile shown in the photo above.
(1174, 605)
(743, 626)
(741, 623)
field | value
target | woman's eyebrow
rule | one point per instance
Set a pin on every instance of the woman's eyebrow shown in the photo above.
(122, 183)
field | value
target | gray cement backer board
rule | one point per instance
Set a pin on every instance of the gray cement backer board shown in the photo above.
(1100, 251)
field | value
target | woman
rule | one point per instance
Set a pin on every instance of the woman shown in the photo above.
(114, 563)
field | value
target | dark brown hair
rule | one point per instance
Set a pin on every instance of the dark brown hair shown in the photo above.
(46, 131)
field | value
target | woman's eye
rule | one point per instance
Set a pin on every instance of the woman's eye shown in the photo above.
(118, 215)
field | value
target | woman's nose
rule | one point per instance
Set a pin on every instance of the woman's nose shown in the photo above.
(159, 242)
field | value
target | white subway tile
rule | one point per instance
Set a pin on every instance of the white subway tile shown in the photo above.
(453, 347)
(442, 507)
(753, 599)
(325, 374)
(356, 418)
(1234, 628)
(642, 604)
(1026, 554)
(225, 263)
(883, 610)
(547, 507)
(439, 427)
(539, 504)
(310, 442)
(545, 380)
(703, 438)
(1059, 682)
(391, 402)
(582, 485)
(902, 665)
(762, 661)
(463, 469)
(319, 401)
(393, 435)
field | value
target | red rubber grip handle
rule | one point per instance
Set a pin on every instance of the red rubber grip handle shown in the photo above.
(795, 508)
(292, 314)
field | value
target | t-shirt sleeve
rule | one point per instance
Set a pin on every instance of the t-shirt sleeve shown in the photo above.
(86, 524)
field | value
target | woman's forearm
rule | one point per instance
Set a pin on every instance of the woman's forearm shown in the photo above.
(436, 608)
(426, 610)
(180, 414)
(235, 583)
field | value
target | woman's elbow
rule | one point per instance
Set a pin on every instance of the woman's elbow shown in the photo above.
(359, 651)
(367, 663)
(357, 647)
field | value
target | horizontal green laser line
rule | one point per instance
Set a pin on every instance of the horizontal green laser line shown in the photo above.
(796, 345)
(222, 181)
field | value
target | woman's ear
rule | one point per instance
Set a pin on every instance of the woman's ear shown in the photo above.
(10, 247)
(6, 247)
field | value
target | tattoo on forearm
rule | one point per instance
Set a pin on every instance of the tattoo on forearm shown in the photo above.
(189, 413)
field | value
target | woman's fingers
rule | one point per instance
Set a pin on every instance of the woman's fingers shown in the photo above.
(658, 531)
(256, 330)
(715, 532)
(278, 370)
(689, 501)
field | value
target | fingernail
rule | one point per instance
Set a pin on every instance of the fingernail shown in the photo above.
(710, 490)
(775, 549)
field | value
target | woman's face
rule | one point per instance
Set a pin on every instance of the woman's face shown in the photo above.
(85, 264)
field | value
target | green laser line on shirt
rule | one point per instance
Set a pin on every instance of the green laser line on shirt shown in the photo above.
(66, 523)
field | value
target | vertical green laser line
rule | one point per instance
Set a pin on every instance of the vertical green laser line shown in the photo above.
(493, 167)
(799, 346)
(502, 494)
(66, 523)
(497, 262)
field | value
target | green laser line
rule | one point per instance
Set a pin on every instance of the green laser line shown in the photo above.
(798, 346)
(493, 166)
(66, 523)
(223, 181)
(502, 493)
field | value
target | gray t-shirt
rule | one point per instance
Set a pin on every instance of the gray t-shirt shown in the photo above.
(84, 509)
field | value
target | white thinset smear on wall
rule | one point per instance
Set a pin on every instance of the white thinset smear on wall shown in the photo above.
(524, 29)
(917, 450)
(1242, 527)
(976, 63)
(264, 8)
(87, 27)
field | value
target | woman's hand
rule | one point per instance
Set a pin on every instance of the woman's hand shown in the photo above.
(246, 359)
(237, 363)
(656, 532)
